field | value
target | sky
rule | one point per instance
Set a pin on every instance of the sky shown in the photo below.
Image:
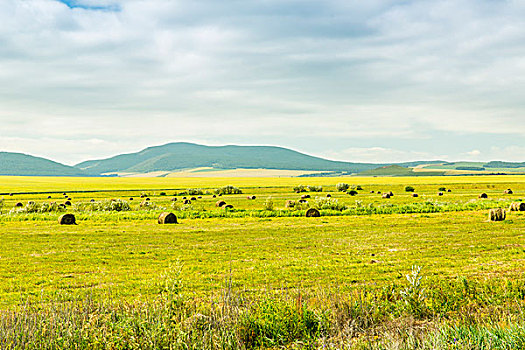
(353, 80)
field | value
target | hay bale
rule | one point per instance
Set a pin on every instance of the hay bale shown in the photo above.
(220, 204)
(440, 193)
(68, 203)
(498, 214)
(92, 200)
(199, 197)
(162, 194)
(305, 196)
(372, 191)
(10, 195)
(147, 199)
(391, 194)
(415, 195)
(378, 192)
(328, 195)
(303, 201)
(67, 219)
(517, 206)
(193, 199)
(31, 203)
(483, 195)
(386, 195)
(228, 206)
(48, 197)
(186, 201)
(167, 218)
(449, 190)
(174, 199)
(214, 196)
(289, 204)
(313, 213)
(508, 191)
(19, 205)
(62, 206)
(130, 198)
(251, 197)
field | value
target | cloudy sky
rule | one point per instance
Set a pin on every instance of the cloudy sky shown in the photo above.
(355, 80)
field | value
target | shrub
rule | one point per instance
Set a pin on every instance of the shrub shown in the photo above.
(328, 203)
(358, 188)
(409, 189)
(105, 205)
(194, 192)
(442, 189)
(162, 194)
(342, 187)
(268, 204)
(228, 190)
(315, 188)
(299, 189)
(1, 204)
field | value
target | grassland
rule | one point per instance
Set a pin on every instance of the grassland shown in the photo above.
(264, 278)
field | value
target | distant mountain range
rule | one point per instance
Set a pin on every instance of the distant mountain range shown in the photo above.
(179, 156)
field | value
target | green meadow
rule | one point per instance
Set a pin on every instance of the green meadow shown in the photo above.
(370, 272)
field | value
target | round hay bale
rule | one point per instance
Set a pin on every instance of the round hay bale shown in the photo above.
(64, 194)
(193, 199)
(508, 191)
(415, 195)
(483, 195)
(303, 201)
(386, 195)
(214, 196)
(10, 195)
(48, 197)
(147, 199)
(62, 206)
(186, 201)
(19, 205)
(130, 198)
(305, 196)
(391, 194)
(449, 190)
(498, 214)
(313, 213)
(92, 200)
(372, 191)
(67, 219)
(174, 199)
(167, 218)
(162, 193)
(289, 204)
(251, 197)
(440, 193)
(328, 195)
(68, 203)
(31, 203)
(184, 198)
(220, 204)
(517, 206)
(228, 206)
(378, 192)
(199, 197)
(220, 194)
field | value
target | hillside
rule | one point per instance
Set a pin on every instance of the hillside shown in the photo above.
(397, 170)
(18, 164)
(175, 156)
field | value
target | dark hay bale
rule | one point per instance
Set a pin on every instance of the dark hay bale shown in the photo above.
(142, 196)
(193, 199)
(67, 219)
(30, 203)
(303, 201)
(214, 196)
(329, 195)
(48, 197)
(199, 197)
(174, 199)
(498, 214)
(517, 206)
(220, 194)
(69, 198)
(147, 199)
(162, 193)
(251, 197)
(440, 193)
(187, 201)
(64, 194)
(483, 195)
(68, 203)
(415, 195)
(386, 195)
(19, 205)
(378, 192)
(313, 213)
(449, 190)
(391, 194)
(508, 191)
(228, 206)
(372, 191)
(92, 200)
(167, 218)
(10, 195)
(130, 198)
(220, 204)
(289, 204)
(62, 206)
(305, 196)
(184, 198)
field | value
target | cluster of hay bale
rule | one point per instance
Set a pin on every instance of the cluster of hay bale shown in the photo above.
(508, 191)
(305, 196)
(167, 218)
(386, 195)
(498, 214)
(517, 206)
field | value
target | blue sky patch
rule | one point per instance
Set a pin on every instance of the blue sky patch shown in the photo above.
(79, 4)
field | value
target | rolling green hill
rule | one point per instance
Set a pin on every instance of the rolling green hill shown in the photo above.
(18, 164)
(397, 170)
(181, 155)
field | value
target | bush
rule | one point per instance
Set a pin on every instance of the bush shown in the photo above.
(342, 187)
(315, 188)
(358, 188)
(162, 194)
(409, 189)
(442, 189)
(268, 204)
(321, 203)
(228, 190)
(299, 189)
(194, 192)
(106, 205)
